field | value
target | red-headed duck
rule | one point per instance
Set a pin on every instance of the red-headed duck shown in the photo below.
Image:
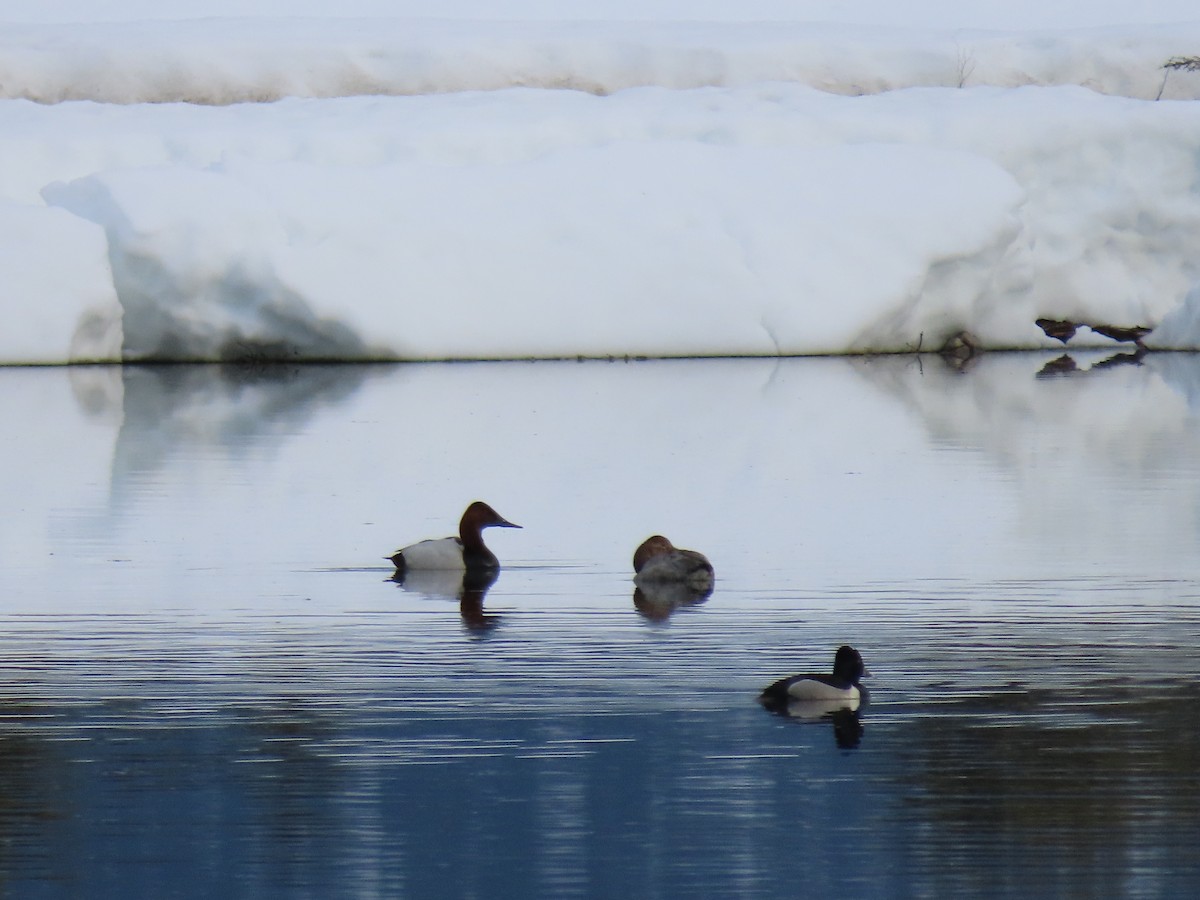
(465, 552)
(842, 685)
(658, 561)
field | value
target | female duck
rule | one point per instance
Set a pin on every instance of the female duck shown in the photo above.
(658, 561)
(466, 552)
(842, 685)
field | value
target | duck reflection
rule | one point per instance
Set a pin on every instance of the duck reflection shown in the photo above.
(843, 715)
(657, 602)
(468, 587)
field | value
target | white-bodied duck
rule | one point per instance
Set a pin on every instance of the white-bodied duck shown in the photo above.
(840, 687)
(467, 552)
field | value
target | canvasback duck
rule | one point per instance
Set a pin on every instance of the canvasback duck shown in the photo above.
(658, 561)
(842, 685)
(465, 552)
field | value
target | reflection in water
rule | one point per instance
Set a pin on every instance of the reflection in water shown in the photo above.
(1082, 795)
(658, 601)
(843, 715)
(1060, 365)
(1121, 359)
(236, 443)
(335, 761)
(1066, 364)
(98, 391)
(32, 793)
(847, 728)
(236, 407)
(206, 695)
(468, 587)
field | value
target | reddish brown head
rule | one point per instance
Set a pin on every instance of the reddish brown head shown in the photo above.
(655, 545)
(470, 534)
(478, 517)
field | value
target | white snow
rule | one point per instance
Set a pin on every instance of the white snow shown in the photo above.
(550, 179)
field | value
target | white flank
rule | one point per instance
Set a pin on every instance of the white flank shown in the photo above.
(442, 553)
(814, 710)
(809, 689)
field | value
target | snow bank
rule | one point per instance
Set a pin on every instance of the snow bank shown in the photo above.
(765, 220)
(218, 61)
(649, 248)
(752, 215)
(984, 14)
(57, 290)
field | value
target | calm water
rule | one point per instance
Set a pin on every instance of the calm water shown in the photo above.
(209, 685)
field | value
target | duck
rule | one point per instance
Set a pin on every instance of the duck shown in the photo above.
(467, 552)
(842, 686)
(658, 561)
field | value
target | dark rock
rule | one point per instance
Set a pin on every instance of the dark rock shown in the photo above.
(1059, 329)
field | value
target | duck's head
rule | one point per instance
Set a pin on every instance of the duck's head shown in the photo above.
(479, 516)
(848, 665)
(655, 545)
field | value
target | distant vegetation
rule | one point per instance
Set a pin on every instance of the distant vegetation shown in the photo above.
(1177, 63)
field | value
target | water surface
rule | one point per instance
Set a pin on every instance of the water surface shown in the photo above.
(211, 685)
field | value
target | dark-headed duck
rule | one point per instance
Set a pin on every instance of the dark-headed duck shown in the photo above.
(465, 552)
(842, 685)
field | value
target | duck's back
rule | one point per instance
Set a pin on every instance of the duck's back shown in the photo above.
(686, 566)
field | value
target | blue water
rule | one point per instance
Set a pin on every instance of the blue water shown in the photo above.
(196, 701)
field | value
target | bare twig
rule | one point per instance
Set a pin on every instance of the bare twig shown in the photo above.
(1175, 64)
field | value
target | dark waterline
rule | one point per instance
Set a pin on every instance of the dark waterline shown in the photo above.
(185, 712)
